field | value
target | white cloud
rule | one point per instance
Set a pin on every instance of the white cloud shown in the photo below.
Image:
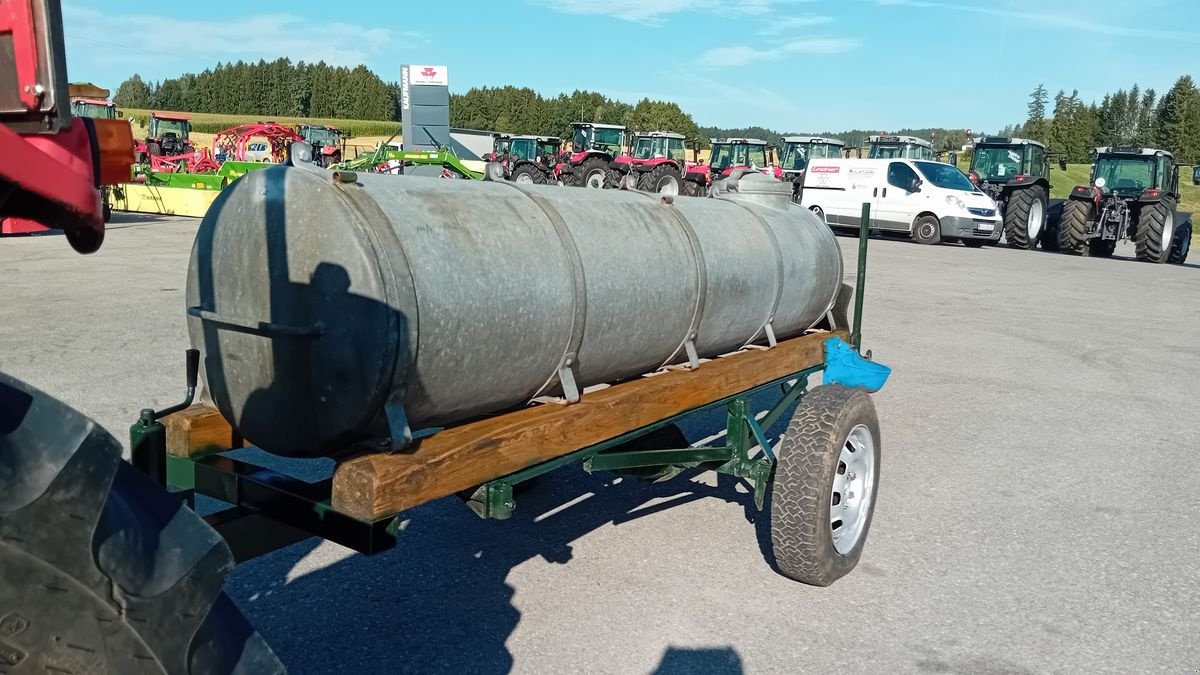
(108, 36)
(654, 11)
(790, 24)
(1074, 21)
(741, 55)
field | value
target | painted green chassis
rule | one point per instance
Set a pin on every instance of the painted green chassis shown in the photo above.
(269, 510)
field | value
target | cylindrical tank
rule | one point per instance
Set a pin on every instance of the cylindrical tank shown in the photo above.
(319, 301)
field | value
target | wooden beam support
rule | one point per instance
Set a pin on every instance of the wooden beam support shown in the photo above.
(382, 484)
(196, 430)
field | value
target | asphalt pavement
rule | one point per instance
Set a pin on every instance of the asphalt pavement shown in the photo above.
(1039, 508)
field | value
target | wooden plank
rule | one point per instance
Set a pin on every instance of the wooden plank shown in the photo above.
(381, 484)
(197, 429)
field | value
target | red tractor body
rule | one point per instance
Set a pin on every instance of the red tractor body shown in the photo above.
(657, 162)
(594, 147)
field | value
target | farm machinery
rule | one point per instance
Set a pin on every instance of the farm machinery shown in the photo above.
(500, 144)
(327, 142)
(906, 147)
(387, 158)
(1015, 173)
(594, 146)
(657, 162)
(795, 154)
(731, 154)
(525, 159)
(167, 134)
(230, 144)
(88, 100)
(1134, 195)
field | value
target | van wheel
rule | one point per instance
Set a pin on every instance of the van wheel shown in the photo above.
(819, 213)
(927, 230)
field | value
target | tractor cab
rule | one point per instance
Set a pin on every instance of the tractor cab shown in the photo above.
(319, 135)
(589, 137)
(658, 145)
(737, 153)
(999, 160)
(797, 150)
(500, 145)
(94, 108)
(548, 148)
(1130, 172)
(899, 147)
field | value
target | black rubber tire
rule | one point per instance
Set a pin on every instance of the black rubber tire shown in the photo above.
(101, 571)
(590, 169)
(153, 148)
(1072, 229)
(819, 213)
(975, 243)
(107, 212)
(1016, 216)
(665, 179)
(802, 488)
(1152, 220)
(1101, 248)
(927, 230)
(1181, 244)
(691, 188)
(525, 171)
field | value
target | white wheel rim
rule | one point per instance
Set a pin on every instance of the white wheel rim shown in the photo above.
(1037, 215)
(595, 179)
(818, 213)
(668, 186)
(853, 489)
(926, 230)
(1168, 232)
(524, 178)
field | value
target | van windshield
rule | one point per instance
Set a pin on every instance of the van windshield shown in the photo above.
(945, 176)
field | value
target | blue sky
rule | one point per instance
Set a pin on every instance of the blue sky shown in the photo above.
(791, 65)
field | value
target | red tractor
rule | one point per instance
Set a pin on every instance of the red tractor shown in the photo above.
(326, 143)
(526, 159)
(500, 144)
(167, 135)
(594, 146)
(658, 163)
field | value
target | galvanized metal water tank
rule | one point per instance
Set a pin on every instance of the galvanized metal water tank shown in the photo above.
(331, 312)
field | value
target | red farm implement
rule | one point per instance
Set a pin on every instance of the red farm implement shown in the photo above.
(232, 143)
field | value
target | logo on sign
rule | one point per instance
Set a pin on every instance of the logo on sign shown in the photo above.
(826, 169)
(428, 75)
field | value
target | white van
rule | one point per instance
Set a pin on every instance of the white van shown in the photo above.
(930, 201)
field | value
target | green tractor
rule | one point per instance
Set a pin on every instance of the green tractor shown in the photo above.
(1015, 173)
(1134, 194)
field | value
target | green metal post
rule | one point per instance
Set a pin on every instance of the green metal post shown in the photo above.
(864, 233)
(148, 446)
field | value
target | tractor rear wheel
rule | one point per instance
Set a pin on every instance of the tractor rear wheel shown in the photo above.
(1072, 229)
(826, 479)
(100, 569)
(1181, 245)
(665, 179)
(153, 148)
(594, 174)
(1155, 232)
(1024, 217)
(525, 174)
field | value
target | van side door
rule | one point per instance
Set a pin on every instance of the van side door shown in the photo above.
(898, 205)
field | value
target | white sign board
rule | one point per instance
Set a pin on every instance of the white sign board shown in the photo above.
(428, 75)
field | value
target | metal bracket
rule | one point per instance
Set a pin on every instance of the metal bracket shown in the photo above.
(693, 356)
(493, 500)
(770, 330)
(399, 433)
(566, 378)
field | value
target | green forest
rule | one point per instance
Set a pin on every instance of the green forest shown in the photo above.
(281, 88)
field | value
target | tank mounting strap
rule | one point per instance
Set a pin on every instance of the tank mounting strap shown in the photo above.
(256, 327)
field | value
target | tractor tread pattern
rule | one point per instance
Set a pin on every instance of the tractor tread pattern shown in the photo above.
(800, 494)
(1016, 216)
(1072, 229)
(1147, 242)
(100, 569)
(1181, 244)
(661, 171)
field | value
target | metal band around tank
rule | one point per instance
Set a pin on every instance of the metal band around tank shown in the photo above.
(375, 224)
(688, 342)
(779, 272)
(564, 374)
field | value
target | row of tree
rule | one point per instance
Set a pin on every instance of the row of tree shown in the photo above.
(1132, 118)
(276, 88)
(285, 89)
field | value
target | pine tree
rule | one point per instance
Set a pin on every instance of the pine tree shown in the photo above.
(1035, 123)
(133, 93)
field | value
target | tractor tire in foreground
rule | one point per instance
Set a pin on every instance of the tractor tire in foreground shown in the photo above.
(102, 571)
(826, 479)
(1072, 229)
(1155, 232)
(1181, 245)
(1025, 217)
